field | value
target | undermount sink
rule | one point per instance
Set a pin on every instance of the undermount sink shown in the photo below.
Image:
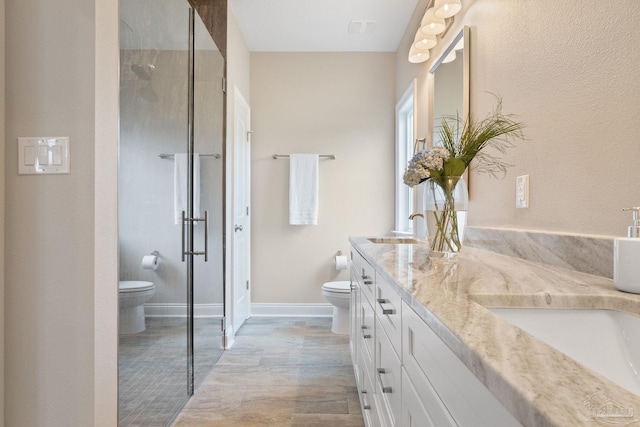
(395, 240)
(606, 341)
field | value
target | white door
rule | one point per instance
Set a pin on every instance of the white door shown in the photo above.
(241, 210)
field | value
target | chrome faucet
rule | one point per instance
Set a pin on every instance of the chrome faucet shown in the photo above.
(415, 214)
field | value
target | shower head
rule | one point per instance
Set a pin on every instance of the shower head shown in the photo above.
(143, 72)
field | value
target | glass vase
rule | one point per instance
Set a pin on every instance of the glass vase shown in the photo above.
(446, 204)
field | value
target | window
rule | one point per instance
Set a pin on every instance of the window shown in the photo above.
(405, 138)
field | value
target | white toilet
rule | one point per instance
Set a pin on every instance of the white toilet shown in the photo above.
(339, 294)
(132, 294)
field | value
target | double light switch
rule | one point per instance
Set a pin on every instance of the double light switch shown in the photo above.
(49, 155)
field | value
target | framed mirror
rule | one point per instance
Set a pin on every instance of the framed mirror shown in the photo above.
(451, 82)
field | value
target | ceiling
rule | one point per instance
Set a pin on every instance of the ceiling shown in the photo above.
(323, 25)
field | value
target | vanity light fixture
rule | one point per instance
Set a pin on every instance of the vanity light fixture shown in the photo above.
(424, 42)
(417, 56)
(432, 25)
(437, 19)
(447, 8)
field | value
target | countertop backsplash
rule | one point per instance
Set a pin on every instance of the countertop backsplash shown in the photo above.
(584, 253)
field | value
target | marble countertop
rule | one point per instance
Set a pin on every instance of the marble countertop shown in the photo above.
(539, 385)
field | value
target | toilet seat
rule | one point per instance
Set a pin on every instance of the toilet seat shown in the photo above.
(339, 287)
(135, 286)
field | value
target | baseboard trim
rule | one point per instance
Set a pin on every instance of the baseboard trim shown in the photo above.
(180, 310)
(291, 310)
(257, 310)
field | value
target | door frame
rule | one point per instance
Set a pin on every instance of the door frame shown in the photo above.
(231, 327)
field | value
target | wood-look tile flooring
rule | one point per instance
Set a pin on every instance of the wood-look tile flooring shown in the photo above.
(289, 372)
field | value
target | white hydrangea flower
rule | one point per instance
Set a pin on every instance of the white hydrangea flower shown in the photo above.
(422, 163)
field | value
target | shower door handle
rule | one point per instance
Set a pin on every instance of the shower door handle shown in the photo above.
(206, 236)
(182, 224)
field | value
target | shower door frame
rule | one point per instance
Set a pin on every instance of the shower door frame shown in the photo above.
(191, 220)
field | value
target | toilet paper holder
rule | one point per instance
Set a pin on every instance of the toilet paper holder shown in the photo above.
(150, 262)
(341, 261)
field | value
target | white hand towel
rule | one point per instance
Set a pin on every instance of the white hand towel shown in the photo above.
(303, 189)
(180, 185)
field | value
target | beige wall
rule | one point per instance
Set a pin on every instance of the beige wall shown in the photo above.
(238, 64)
(326, 103)
(571, 75)
(61, 296)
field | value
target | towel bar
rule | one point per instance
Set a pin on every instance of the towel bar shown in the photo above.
(171, 156)
(326, 156)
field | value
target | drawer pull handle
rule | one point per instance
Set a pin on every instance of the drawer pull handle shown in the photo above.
(385, 310)
(365, 405)
(364, 334)
(384, 389)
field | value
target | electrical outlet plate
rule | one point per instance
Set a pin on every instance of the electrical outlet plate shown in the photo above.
(43, 155)
(522, 191)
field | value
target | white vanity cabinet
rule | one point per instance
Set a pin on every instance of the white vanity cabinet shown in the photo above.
(388, 348)
(406, 375)
(449, 390)
(388, 311)
(388, 373)
(362, 334)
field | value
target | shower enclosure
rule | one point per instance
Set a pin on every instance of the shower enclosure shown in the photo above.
(170, 201)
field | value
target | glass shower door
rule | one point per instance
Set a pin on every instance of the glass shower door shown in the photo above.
(208, 135)
(154, 123)
(170, 201)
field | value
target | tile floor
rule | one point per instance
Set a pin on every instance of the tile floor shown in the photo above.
(289, 372)
(153, 368)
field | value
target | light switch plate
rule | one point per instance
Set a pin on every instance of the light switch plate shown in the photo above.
(43, 155)
(522, 191)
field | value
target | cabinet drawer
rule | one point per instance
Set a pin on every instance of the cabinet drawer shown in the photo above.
(367, 328)
(354, 326)
(365, 273)
(388, 378)
(431, 365)
(422, 408)
(389, 311)
(368, 281)
(356, 260)
(368, 401)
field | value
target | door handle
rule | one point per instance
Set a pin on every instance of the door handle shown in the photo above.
(237, 228)
(186, 220)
